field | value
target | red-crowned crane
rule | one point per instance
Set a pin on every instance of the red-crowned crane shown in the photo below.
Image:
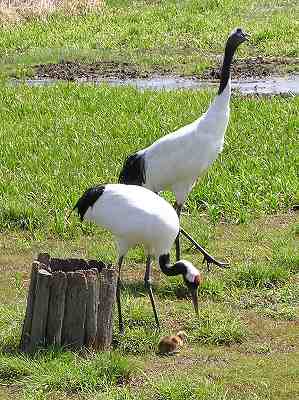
(136, 215)
(175, 161)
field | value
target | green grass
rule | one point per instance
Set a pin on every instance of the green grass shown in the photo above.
(11, 317)
(65, 371)
(180, 36)
(282, 313)
(217, 325)
(184, 388)
(242, 324)
(61, 140)
(255, 276)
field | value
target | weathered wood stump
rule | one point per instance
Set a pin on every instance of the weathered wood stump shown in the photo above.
(69, 303)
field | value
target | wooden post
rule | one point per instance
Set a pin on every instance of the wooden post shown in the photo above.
(26, 332)
(40, 313)
(44, 258)
(73, 329)
(69, 303)
(91, 307)
(107, 292)
(56, 308)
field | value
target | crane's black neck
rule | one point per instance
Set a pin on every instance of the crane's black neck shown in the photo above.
(176, 269)
(226, 66)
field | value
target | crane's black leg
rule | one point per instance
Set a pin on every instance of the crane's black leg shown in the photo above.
(148, 286)
(120, 318)
(206, 256)
(178, 209)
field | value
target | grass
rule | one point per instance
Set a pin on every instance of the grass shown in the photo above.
(249, 314)
(217, 326)
(182, 37)
(255, 276)
(185, 389)
(65, 371)
(93, 129)
(284, 313)
(242, 324)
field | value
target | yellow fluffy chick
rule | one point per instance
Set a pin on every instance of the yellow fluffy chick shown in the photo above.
(169, 345)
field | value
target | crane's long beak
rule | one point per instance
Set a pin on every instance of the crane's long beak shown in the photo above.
(194, 300)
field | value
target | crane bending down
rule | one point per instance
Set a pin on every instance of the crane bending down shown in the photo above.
(136, 215)
(176, 160)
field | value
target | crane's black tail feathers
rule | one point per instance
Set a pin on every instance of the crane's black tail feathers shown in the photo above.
(133, 171)
(89, 197)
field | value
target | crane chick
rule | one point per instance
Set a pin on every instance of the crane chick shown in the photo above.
(169, 345)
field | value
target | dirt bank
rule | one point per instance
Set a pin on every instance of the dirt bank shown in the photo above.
(74, 70)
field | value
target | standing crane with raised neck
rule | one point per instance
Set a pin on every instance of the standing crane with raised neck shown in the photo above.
(175, 161)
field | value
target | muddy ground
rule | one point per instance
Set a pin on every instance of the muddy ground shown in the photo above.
(258, 67)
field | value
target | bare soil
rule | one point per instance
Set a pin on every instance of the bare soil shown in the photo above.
(74, 70)
(258, 67)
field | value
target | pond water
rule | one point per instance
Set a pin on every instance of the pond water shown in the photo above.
(271, 85)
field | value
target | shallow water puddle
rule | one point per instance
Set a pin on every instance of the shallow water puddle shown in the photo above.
(272, 85)
(268, 86)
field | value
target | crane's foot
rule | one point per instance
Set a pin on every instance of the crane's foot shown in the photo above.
(206, 256)
(211, 260)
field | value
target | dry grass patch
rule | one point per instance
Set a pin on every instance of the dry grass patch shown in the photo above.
(16, 11)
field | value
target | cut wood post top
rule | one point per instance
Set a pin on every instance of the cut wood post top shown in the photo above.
(44, 258)
(69, 264)
(43, 271)
(92, 273)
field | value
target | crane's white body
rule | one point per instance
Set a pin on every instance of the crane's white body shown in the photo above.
(175, 161)
(135, 215)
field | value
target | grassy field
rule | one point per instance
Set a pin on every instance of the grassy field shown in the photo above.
(56, 141)
(244, 346)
